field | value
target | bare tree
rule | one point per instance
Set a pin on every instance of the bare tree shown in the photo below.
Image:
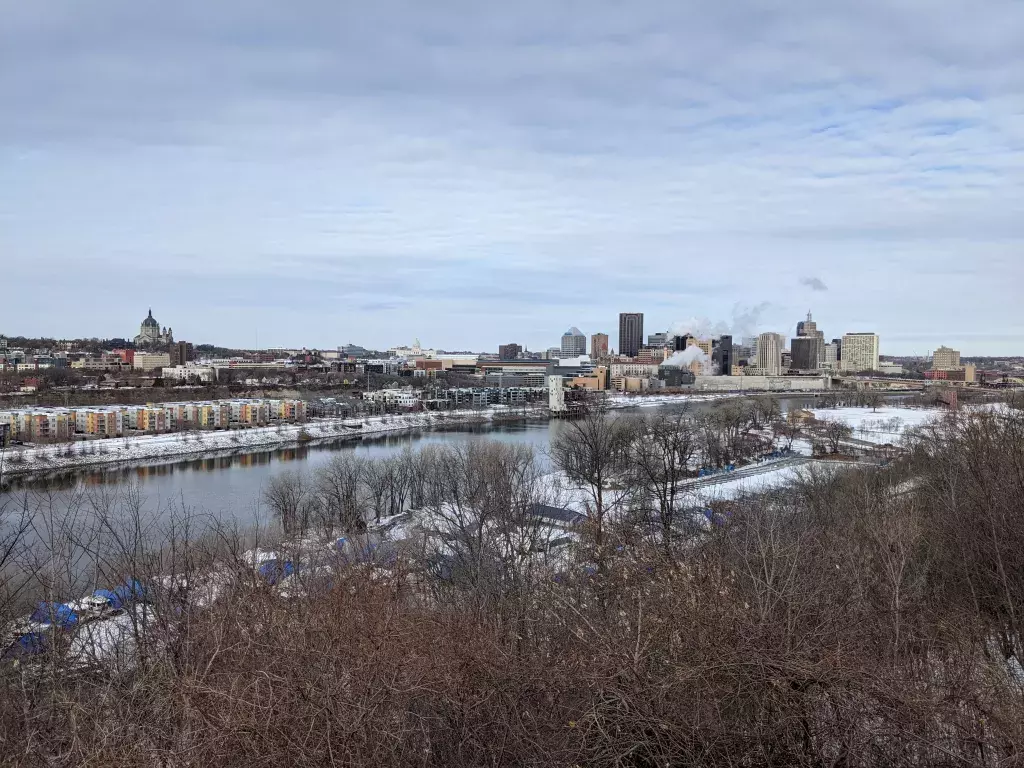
(835, 431)
(338, 488)
(660, 455)
(292, 502)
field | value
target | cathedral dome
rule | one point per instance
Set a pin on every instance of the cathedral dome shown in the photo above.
(149, 322)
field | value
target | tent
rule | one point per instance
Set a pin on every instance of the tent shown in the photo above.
(133, 591)
(59, 614)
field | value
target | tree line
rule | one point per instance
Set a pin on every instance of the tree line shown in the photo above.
(866, 617)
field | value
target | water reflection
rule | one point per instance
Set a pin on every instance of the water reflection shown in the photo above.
(231, 482)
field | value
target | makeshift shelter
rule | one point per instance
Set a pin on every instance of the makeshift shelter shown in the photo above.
(58, 614)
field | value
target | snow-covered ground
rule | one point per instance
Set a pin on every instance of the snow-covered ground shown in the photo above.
(744, 485)
(622, 400)
(48, 458)
(879, 425)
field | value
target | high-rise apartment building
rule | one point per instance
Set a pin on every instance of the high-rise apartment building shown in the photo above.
(599, 345)
(631, 333)
(509, 351)
(946, 359)
(769, 353)
(574, 343)
(860, 352)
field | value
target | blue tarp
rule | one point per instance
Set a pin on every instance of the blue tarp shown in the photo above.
(59, 614)
(33, 643)
(274, 571)
(130, 592)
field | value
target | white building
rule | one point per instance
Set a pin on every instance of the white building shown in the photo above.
(860, 352)
(556, 394)
(191, 372)
(769, 353)
(394, 398)
(574, 343)
(640, 370)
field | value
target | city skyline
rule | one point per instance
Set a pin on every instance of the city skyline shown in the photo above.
(319, 173)
(744, 326)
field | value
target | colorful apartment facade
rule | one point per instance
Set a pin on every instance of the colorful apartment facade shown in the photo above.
(45, 424)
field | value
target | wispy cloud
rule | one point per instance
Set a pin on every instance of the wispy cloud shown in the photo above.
(504, 174)
(814, 283)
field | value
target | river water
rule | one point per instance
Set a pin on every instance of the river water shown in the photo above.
(232, 486)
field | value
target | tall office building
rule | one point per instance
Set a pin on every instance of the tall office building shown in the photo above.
(181, 352)
(574, 343)
(946, 359)
(658, 339)
(599, 345)
(831, 361)
(681, 342)
(722, 355)
(509, 351)
(631, 333)
(808, 328)
(769, 353)
(808, 353)
(860, 352)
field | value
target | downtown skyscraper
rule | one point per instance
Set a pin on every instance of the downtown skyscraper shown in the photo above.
(631, 333)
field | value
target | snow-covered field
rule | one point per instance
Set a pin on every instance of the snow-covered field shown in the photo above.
(61, 456)
(879, 425)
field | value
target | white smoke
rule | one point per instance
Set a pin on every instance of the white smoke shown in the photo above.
(745, 322)
(685, 357)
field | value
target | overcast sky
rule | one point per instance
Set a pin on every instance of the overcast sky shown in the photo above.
(321, 172)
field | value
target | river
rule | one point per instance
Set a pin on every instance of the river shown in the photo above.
(232, 486)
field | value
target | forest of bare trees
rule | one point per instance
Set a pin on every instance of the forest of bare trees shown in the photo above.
(870, 617)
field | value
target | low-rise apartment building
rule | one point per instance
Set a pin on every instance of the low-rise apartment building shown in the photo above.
(40, 424)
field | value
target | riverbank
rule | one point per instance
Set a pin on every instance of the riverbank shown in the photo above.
(139, 449)
(61, 457)
(129, 450)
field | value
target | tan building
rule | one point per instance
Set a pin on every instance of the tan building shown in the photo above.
(946, 359)
(860, 352)
(150, 361)
(705, 345)
(597, 381)
(599, 345)
(630, 383)
(652, 355)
